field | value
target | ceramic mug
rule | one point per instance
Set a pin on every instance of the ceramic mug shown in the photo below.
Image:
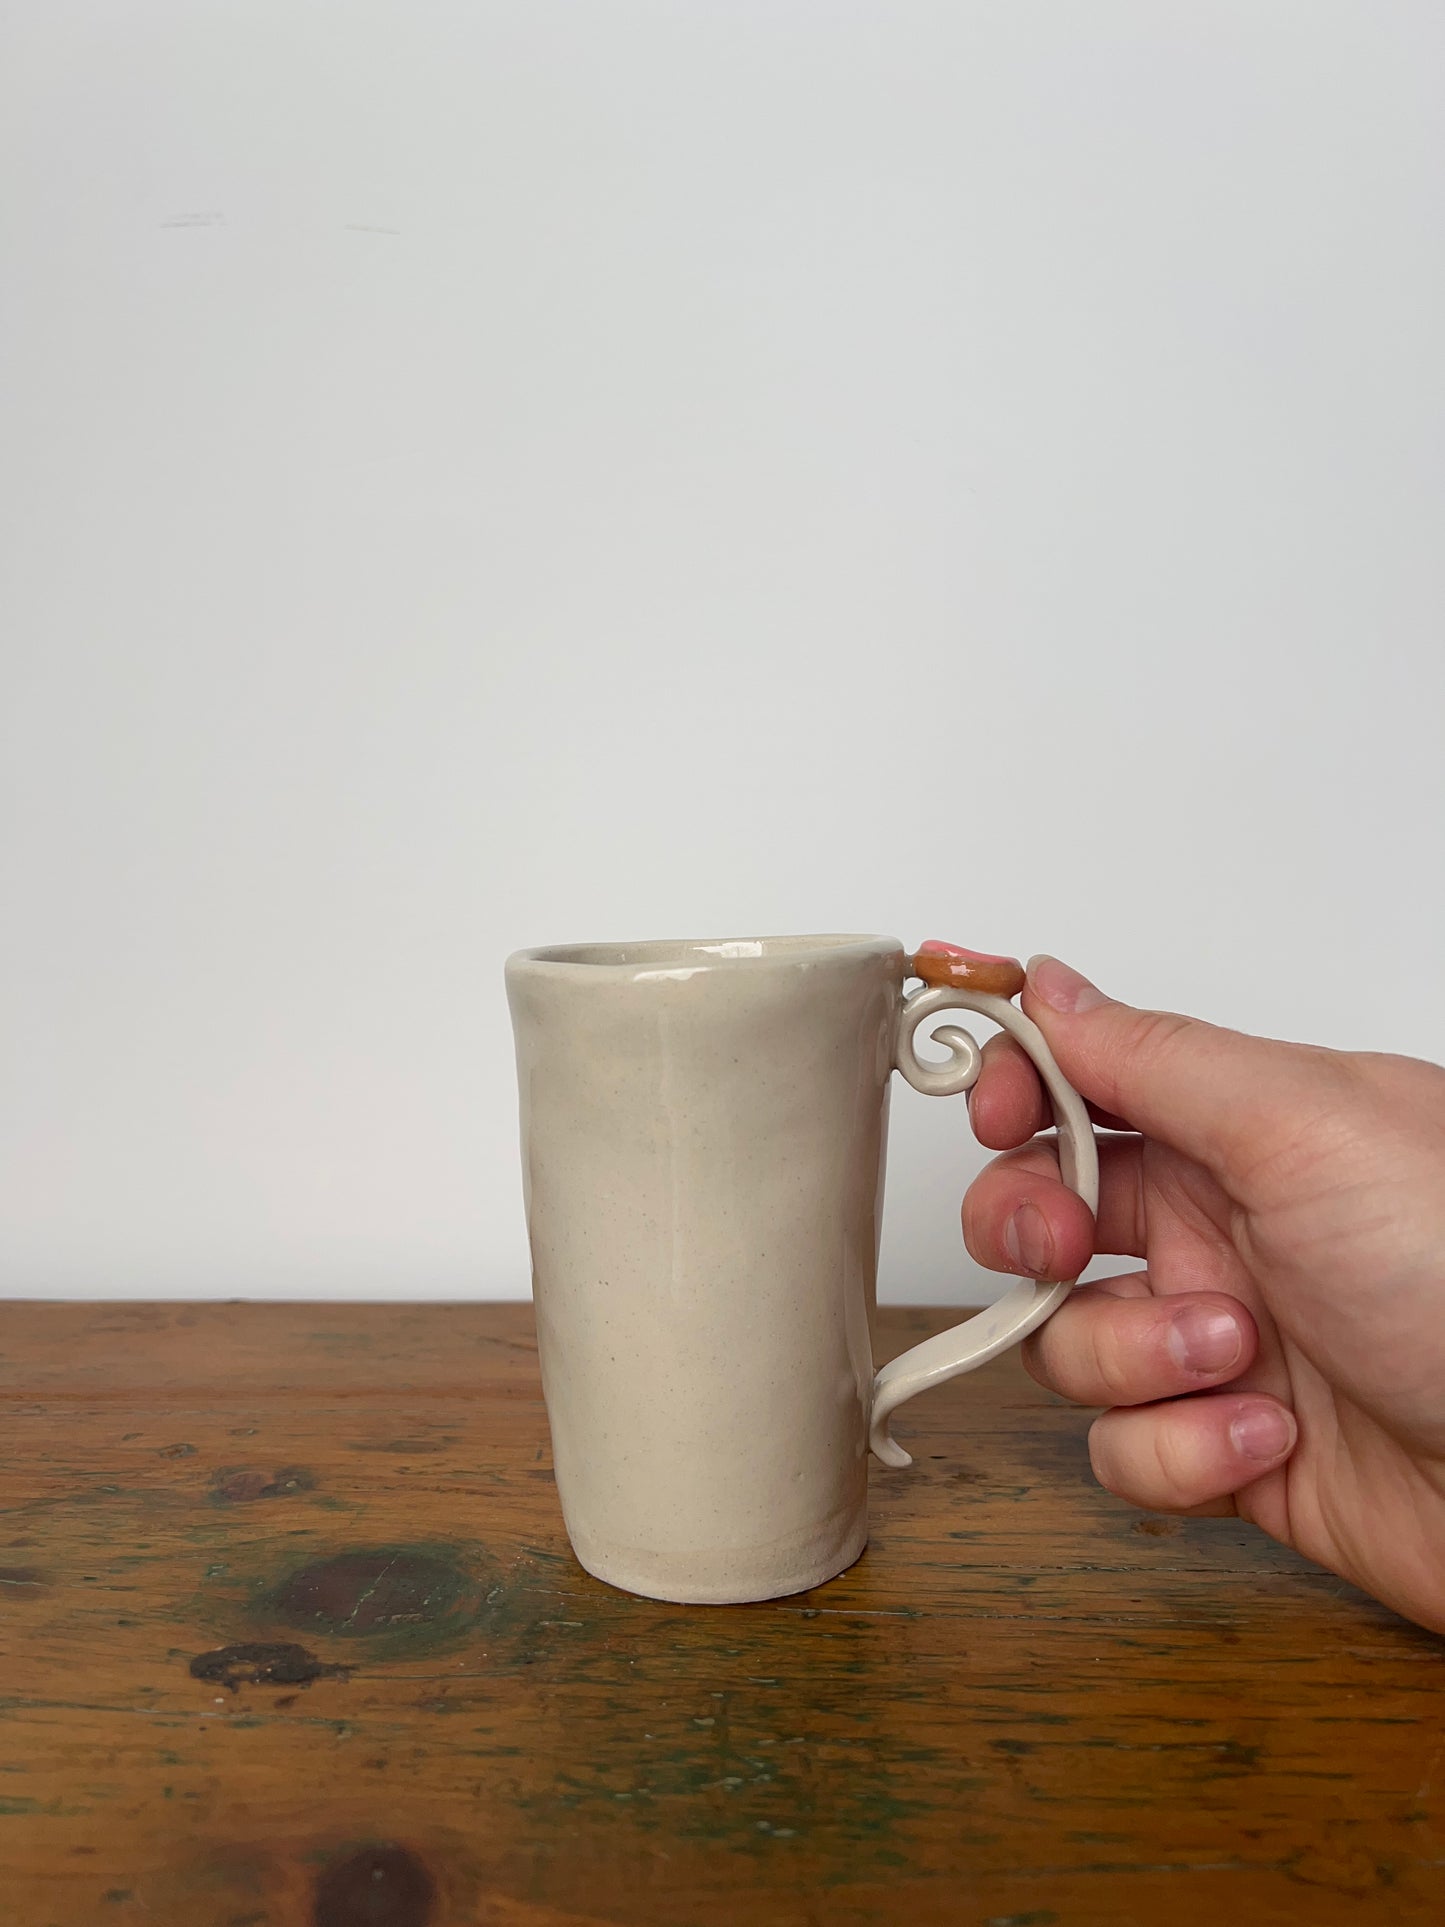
(703, 1135)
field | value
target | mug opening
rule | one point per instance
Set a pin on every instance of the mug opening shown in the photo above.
(706, 953)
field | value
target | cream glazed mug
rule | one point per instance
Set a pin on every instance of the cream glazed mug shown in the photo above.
(704, 1128)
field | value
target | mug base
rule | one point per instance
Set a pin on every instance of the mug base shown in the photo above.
(717, 1581)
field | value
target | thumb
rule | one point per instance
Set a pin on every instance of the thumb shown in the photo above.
(1223, 1098)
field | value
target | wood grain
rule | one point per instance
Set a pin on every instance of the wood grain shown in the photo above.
(292, 1638)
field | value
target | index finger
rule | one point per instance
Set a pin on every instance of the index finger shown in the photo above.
(1008, 1104)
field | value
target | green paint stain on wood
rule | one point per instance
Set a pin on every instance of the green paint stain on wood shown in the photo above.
(748, 1782)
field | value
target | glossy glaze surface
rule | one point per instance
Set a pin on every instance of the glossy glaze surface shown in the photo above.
(948, 965)
(704, 1127)
(704, 1131)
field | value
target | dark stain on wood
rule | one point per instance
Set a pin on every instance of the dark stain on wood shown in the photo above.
(377, 1886)
(257, 1663)
(236, 1485)
(27, 1576)
(179, 1451)
(409, 1596)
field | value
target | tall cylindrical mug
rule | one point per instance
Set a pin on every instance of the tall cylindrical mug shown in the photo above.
(704, 1127)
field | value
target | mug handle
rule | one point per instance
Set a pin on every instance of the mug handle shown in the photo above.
(1028, 1303)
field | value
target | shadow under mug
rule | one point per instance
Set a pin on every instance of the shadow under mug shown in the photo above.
(704, 1130)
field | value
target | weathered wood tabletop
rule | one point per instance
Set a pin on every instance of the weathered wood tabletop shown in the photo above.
(292, 1638)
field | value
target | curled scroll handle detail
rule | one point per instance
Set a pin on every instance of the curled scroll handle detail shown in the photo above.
(1027, 1303)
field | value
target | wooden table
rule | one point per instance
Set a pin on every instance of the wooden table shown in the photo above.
(292, 1638)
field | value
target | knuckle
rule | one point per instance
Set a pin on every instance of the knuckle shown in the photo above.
(1065, 1353)
(1110, 1356)
(1157, 1037)
(1053, 1356)
(1101, 1364)
(1105, 1459)
(1401, 1087)
(1058, 1355)
(1172, 1470)
(1031, 1354)
(1141, 1461)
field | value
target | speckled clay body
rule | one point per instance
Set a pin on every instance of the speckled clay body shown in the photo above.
(703, 1129)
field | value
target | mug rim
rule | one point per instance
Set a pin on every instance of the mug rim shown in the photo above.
(680, 957)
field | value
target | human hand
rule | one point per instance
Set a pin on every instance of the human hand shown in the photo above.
(1283, 1355)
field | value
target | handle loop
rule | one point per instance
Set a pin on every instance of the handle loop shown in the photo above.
(1028, 1303)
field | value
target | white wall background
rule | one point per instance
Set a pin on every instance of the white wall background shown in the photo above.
(478, 474)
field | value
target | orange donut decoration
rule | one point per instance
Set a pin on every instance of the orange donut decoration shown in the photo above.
(948, 966)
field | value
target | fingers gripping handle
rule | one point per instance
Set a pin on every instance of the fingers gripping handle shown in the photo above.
(1026, 1304)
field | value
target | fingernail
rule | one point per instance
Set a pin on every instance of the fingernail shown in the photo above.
(1028, 1241)
(1062, 989)
(1204, 1340)
(1262, 1432)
